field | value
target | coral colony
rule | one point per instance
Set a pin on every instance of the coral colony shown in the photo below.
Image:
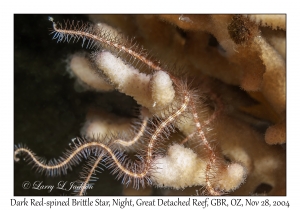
(191, 130)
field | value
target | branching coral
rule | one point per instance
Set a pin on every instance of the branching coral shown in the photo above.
(217, 147)
(253, 62)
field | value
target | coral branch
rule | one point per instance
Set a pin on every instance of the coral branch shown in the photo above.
(188, 134)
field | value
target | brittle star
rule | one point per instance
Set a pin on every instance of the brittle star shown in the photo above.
(163, 117)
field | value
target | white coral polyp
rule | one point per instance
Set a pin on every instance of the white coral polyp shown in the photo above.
(182, 168)
(130, 81)
(81, 68)
(126, 78)
(163, 92)
(232, 177)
